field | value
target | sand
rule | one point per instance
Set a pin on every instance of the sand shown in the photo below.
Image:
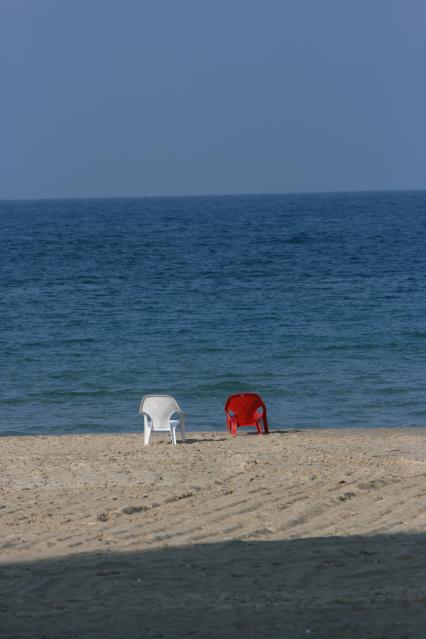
(295, 534)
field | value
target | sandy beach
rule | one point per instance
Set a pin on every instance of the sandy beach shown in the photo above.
(295, 534)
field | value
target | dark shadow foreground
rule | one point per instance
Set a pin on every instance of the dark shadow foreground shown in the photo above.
(356, 587)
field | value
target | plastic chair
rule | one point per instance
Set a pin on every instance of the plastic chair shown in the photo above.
(157, 411)
(245, 409)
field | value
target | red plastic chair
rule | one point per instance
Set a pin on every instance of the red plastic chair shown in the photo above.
(245, 409)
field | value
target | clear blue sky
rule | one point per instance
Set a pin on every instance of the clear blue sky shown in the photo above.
(159, 97)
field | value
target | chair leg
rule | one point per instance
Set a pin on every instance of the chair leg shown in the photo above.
(146, 434)
(233, 423)
(173, 434)
(229, 423)
(265, 425)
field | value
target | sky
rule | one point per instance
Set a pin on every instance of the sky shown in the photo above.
(105, 98)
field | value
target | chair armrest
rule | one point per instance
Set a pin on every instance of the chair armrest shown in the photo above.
(180, 413)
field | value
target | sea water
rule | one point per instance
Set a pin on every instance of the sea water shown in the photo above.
(317, 302)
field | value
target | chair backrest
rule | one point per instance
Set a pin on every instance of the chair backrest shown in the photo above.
(159, 408)
(245, 406)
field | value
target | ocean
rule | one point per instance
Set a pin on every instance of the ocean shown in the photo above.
(317, 302)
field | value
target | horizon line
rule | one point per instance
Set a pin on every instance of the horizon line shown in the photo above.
(208, 195)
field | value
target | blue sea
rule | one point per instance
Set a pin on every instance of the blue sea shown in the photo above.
(317, 302)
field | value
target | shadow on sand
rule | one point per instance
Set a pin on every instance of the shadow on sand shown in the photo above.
(354, 587)
(244, 433)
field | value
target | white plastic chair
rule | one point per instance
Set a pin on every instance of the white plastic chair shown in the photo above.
(157, 411)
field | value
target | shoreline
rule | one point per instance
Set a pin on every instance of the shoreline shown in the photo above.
(218, 431)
